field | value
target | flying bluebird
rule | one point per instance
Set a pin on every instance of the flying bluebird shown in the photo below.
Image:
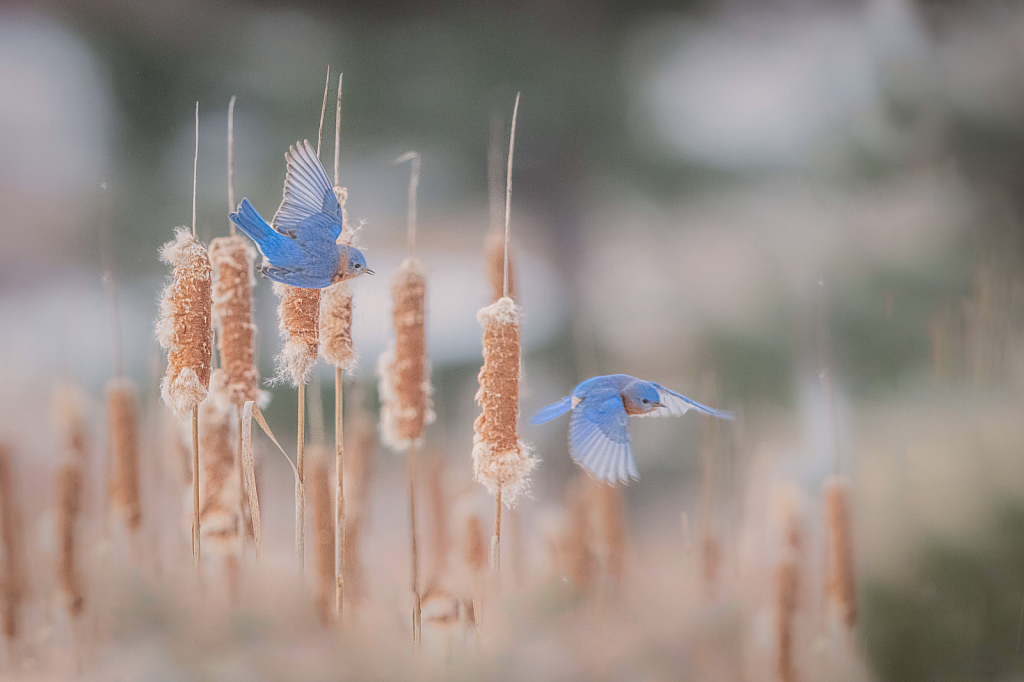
(598, 434)
(301, 248)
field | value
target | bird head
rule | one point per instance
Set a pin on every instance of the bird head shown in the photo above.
(640, 397)
(350, 264)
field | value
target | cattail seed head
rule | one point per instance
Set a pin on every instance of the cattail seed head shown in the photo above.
(236, 380)
(403, 369)
(219, 503)
(298, 316)
(840, 584)
(321, 500)
(184, 327)
(494, 252)
(69, 508)
(336, 326)
(13, 580)
(500, 460)
(123, 437)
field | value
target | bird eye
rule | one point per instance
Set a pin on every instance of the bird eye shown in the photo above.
(646, 401)
(358, 266)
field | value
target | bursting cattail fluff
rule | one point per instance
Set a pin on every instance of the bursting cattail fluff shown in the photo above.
(404, 372)
(236, 380)
(841, 585)
(220, 522)
(123, 436)
(494, 253)
(336, 307)
(298, 316)
(12, 578)
(184, 327)
(501, 462)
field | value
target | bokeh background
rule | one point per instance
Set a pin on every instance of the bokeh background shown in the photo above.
(737, 199)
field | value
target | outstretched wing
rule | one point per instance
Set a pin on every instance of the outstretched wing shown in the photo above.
(599, 438)
(310, 209)
(677, 405)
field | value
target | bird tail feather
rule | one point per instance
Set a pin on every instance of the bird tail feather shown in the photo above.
(551, 411)
(252, 223)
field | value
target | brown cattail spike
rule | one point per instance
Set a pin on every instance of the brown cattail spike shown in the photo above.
(123, 437)
(219, 508)
(236, 380)
(787, 587)
(12, 568)
(69, 508)
(841, 586)
(298, 319)
(336, 305)
(501, 461)
(184, 325)
(404, 371)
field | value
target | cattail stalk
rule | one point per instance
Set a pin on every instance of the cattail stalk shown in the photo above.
(501, 462)
(184, 329)
(13, 579)
(840, 585)
(123, 435)
(70, 483)
(405, 375)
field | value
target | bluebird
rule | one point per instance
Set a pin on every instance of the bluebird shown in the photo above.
(301, 247)
(598, 434)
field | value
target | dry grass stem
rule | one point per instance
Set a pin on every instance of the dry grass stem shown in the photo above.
(184, 327)
(13, 580)
(123, 437)
(494, 254)
(236, 380)
(840, 584)
(219, 508)
(249, 473)
(501, 461)
(298, 319)
(404, 371)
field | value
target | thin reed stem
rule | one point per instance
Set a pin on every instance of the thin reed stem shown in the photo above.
(300, 530)
(231, 159)
(323, 108)
(414, 183)
(411, 464)
(196, 552)
(339, 501)
(508, 188)
(337, 133)
(195, 174)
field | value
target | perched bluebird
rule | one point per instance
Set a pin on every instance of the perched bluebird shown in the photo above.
(598, 435)
(301, 249)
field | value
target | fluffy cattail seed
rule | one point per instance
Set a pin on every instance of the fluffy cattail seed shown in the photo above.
(336, 307)
(840, 586)
(494, 249)
(236, 380)
(501, 461)
(123, 436)
(184, 325)
(403, 369)
(219, 507)
(12, 578)
(298, 316)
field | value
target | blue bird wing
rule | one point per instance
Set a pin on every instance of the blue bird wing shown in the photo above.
(551, 411)
(310, 210)
(599, 438)
(677, 405)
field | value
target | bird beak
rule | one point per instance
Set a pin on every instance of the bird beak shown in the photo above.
(657, 403)
(368, 271)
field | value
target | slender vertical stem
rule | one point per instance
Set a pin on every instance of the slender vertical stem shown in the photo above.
(242, 496)
(337, 132)
(508, 188)
(195, 174)
(196, 553)
(339, 498)
(323, 108)
(231, 159)
(300, 526)
(411, 457)
(414, 183)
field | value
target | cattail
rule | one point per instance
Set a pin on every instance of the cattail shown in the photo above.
(323, 531)
(403, 369)
(494, 251)
(298, 319)
(359, 446)
(184, 325)
(612, 528)
(501, 462)
(336, 307)
(840, 585)
(123, 436)
(69, 507)
(13, 580)
(220, 505)
(236, 380)
(438, 504)
(787, 586)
